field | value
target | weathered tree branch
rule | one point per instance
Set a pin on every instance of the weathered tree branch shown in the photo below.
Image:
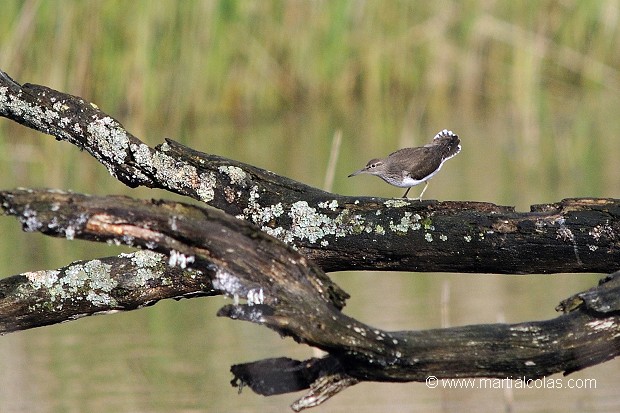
(338, 232)
(587, 335)
(288, 294)
(204, 251)
(126, 282)
(203, 238)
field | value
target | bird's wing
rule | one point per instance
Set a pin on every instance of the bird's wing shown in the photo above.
(423, 157)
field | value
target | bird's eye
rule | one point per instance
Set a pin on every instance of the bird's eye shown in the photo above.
(373, 163)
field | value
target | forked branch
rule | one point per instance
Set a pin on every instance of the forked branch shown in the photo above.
(289, 294)
(272, 260)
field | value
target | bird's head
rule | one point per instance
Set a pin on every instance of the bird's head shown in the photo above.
(373, 167)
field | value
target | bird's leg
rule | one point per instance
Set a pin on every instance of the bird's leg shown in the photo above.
(406, 192)
(422, 193)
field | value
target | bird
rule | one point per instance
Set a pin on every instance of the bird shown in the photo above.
(409, 167)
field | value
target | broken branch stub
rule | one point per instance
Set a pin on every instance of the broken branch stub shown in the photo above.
(587, 335)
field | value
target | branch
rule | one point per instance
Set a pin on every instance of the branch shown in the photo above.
(234, 257)
(282, 289)
(337, 232)
(289, 294)
(122, 283)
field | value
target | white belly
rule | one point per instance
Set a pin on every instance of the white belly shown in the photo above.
(408, 181)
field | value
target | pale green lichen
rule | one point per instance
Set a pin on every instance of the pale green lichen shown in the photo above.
(59, 106)
(144, 258)
(278, 232)
(39, 117)
(331, 205)
(314, 224)
(110, 139)
(428, 224)
(142, 154)
(84, 281)
(205, 190)
(147, 266)
(99, 276)
(307, 223)
(408, 221)
(92, 281)
(403, 226)
(42, 279)
(258, 214)
(177, 175)
(235, 174)
(396, 203)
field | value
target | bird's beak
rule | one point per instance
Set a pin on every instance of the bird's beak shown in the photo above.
(357, 172)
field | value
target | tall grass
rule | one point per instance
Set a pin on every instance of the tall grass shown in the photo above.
(532, 88)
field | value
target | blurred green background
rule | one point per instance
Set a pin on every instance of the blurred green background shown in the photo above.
(531, 87)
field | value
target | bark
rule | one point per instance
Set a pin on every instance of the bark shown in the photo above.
(83, 288)
(587, 335)
(283, 291)
(338, 232)
(272, 260)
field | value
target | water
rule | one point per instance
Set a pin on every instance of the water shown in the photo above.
(176, 356)
(537, 122)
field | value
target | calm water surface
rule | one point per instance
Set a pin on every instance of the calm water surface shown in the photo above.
(176, 356)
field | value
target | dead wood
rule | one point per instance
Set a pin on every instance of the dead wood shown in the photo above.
(270, 241)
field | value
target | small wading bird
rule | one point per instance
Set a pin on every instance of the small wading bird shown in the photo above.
(409, 167)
